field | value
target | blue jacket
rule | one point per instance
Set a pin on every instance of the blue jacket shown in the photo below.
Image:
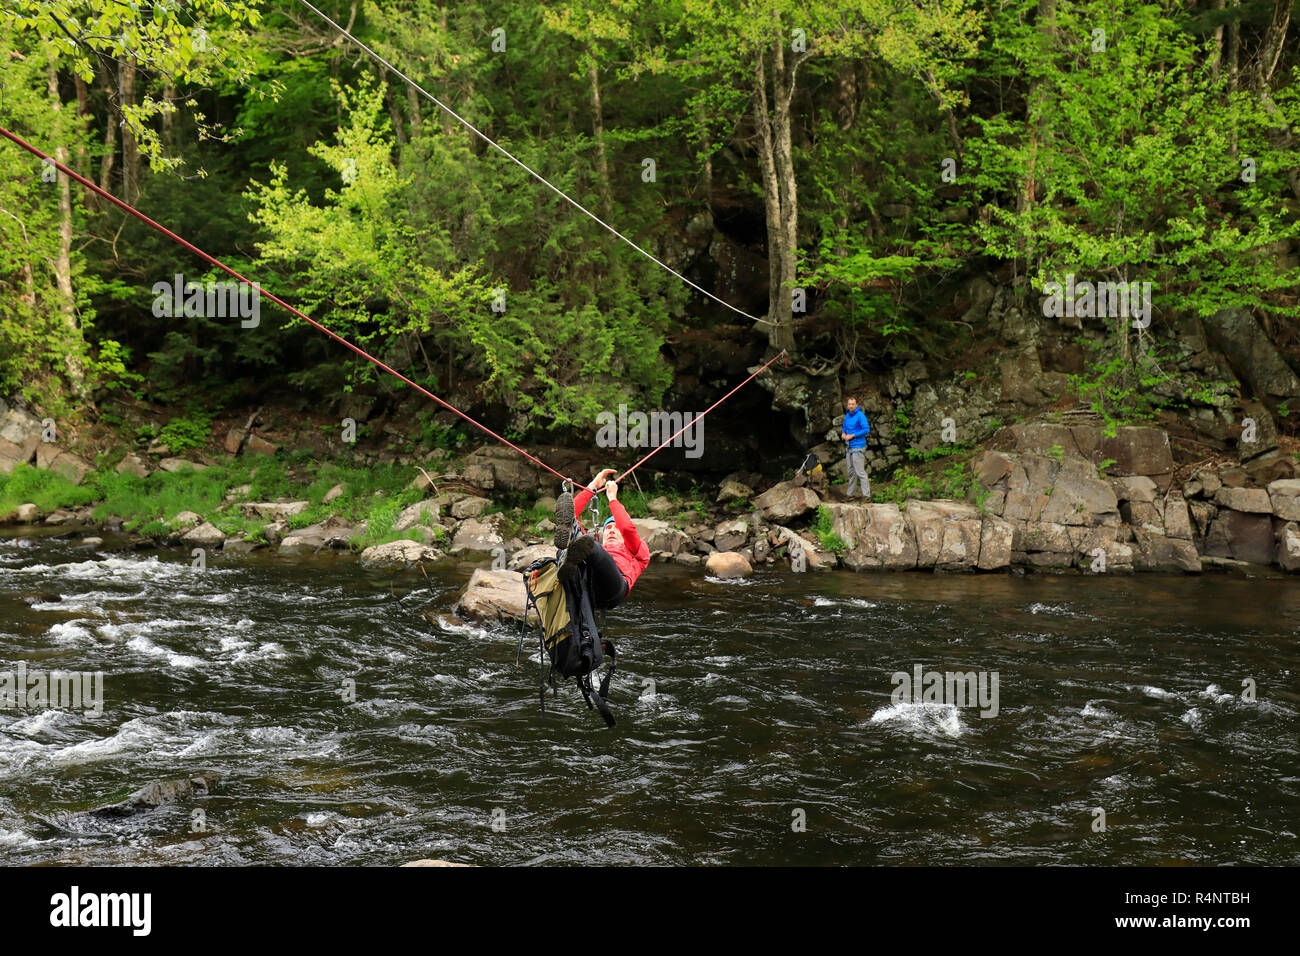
(855, 423)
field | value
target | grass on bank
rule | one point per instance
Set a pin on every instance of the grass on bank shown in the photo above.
(374, 494)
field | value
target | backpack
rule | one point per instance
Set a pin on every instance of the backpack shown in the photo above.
(568, 636)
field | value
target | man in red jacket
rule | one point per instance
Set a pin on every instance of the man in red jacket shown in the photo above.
(616, 559)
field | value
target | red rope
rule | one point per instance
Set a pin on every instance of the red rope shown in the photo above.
(274, 298)
(702, 414)
(338, 338)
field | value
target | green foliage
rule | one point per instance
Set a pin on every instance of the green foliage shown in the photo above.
(954, 481)
(830, 541)
(47, 490)
(1127, 389)
(1101, 468)
(192, 431)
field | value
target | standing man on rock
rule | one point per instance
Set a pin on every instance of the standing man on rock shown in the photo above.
(854, 431)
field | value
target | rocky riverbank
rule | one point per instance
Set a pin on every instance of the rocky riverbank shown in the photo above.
(1042, 495)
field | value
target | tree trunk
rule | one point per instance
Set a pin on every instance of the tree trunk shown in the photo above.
(1034, 107)
(782, 94)
(82, 165)
(598, 131)
(1216, 59)
(1234, 50)
(63, 257)
(110, 142)
(168, 131)
(413, 107)
(706, 144)
(1270, 48)
(130, 149)
(779, 313)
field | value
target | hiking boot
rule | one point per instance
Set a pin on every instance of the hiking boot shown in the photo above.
(573, 557)
(564, 520)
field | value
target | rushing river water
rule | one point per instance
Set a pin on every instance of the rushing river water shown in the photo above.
(770, 736)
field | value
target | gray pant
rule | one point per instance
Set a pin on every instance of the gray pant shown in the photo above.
(855, 458)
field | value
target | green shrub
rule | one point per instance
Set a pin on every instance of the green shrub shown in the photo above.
(829, 540)
(183, 433)
(47, 490)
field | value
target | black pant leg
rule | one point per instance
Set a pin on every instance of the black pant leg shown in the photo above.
(608, 586)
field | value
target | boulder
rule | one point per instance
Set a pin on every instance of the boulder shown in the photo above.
(1044, 559)
(1080, 498)
(1284, 496)
(1251, 353)
(1041, 536)
(273, 510)
(730, 490)
(241, 545)
(187, 519)
(399, 554)
(1085, 541)
(180, 464)
(728, 564)
(495, 466)
(1139, 450)
(51, 457)
(689, 560)
(1177, 523)
(257, 445)
(995, 543)
(1243, 536)
(159, 794)
(204, 536)
(493, 596)
(333, 532)
(526, 556)
(785, 501)
(1137, 488)
(730, 535)
(470, 506)
(333, 494)
(1288, 546)
(660, 506)
(27, 514)
(476, 536)
(876, 536)
(814, 558)
(419, 517)
(1142, 514)
(991, 467)
(1272, 466)
(234, 440)
(658, 535)
(133, 464)
(947, 533)
(1248, 500)
(1155, 552)
(20, 434)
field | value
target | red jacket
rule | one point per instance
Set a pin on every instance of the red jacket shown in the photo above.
(632, 556)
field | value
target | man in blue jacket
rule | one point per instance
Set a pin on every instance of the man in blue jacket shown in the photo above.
(854, 431)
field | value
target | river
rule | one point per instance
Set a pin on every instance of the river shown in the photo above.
(756, 724)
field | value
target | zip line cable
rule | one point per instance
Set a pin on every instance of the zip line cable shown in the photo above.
(519, 162)
(665, 443)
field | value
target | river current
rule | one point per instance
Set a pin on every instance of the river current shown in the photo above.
(1140, 719)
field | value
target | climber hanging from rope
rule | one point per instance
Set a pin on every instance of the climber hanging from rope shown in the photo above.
(615, 554)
